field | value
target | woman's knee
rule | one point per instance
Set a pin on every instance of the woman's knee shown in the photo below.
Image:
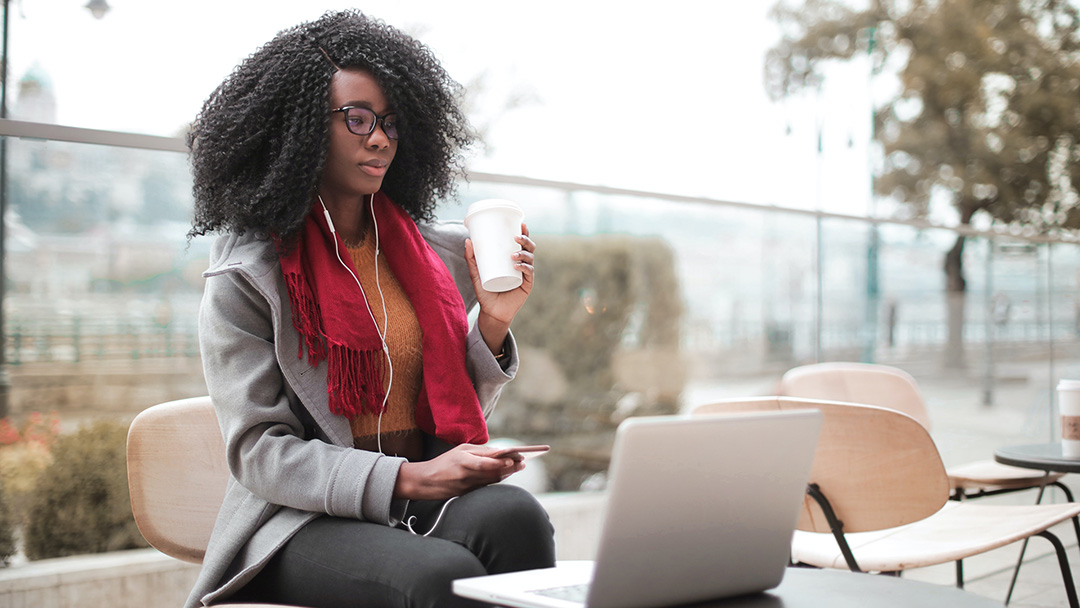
(510, 530)
(510, 507)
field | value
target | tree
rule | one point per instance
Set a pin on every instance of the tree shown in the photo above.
(986, 115)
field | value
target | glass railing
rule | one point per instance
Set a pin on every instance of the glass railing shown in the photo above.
(644, 302)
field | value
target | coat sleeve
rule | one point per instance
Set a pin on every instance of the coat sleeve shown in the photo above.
(266, 443)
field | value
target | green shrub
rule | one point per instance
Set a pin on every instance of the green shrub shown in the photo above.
(606, 309)
(81, 502)
(596, 293)
(25, 451)
(7, 529)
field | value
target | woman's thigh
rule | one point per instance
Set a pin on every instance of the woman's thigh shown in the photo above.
(503, 525)
(334, 562)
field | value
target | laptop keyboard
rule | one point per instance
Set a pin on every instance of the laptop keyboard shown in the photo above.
(570, 593)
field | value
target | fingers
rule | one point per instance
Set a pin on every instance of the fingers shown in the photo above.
(526, 242)
(525, 259)
(501, 467)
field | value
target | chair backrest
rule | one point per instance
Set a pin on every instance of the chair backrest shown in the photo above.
(879, 468)
(865, 383)
(177, 475)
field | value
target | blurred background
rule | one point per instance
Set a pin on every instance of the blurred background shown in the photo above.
(720, 191)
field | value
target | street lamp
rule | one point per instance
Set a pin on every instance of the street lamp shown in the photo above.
(98, 8)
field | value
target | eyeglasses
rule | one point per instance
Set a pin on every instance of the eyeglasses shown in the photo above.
(361, 121)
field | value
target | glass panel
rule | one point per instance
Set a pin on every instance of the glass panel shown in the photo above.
(102, 288)
(748, 285)
(642, 305)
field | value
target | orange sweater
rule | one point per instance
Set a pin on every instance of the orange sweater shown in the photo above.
(404, 338)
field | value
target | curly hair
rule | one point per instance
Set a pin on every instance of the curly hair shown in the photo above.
(259, 144)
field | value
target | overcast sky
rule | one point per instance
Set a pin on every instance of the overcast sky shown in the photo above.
(662, 97)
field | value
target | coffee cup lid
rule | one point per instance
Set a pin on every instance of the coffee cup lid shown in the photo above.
(491, 203)
(1069, 385)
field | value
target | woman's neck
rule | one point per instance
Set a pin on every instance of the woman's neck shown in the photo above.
(351, 216)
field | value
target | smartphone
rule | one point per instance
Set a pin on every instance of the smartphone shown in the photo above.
(523, 452)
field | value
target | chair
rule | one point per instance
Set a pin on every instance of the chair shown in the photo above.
(878, 497)
(177, 476)
(890, 387)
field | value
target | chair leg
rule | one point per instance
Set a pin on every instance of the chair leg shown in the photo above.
(1063, 562)
(960, 574)
(1069, 497)
(835, 525)
(1064, 488)
(1023, 549)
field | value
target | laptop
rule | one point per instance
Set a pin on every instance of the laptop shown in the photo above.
(699, 508)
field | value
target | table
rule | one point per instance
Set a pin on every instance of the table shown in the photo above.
(809, 588)
(812, 588)
(1042, 456)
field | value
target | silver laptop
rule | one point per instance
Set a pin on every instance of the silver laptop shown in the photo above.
(698, 508)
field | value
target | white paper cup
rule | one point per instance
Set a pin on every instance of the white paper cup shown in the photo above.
(494, 225)
(1069, 405)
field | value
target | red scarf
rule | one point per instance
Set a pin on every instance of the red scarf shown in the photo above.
(329, 312)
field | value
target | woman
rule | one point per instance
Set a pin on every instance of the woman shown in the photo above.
(351, 393)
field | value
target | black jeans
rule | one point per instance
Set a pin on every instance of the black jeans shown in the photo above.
(336, 562)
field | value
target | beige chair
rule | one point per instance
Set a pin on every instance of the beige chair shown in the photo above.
(177, 475)
(878, 497)
(890, 387)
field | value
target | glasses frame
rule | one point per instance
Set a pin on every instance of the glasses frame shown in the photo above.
(379, 120)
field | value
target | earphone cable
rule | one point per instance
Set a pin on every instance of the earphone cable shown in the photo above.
(378, 286)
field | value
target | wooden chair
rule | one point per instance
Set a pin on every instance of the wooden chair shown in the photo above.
(177, 476)
(890, 387)
(878, 498)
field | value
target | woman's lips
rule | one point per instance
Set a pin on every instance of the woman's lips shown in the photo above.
(375, 168)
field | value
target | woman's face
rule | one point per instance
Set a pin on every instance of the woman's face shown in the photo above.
(356, 164)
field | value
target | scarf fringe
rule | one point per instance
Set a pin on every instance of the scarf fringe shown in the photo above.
(354, 381)
(306, 318)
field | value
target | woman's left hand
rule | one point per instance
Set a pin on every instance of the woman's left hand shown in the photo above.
(497, 309)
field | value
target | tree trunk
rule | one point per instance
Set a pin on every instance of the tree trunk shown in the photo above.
(955, 290)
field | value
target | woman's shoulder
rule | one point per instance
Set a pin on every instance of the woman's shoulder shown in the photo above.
(447, 235)
(447, 240)
(248, 252)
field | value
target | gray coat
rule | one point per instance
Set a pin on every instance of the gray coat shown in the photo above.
(291, 459)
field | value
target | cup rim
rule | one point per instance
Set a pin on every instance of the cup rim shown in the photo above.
(491, 203)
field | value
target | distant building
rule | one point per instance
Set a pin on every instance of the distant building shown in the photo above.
(36, 100)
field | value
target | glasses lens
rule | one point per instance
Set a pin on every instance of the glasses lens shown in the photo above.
(359, 120)
(390, 126)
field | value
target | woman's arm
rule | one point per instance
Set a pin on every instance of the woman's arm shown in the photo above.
(265, 442)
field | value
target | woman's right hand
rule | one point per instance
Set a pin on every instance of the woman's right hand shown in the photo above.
(453, 473)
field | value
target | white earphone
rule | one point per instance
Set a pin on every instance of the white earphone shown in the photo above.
(386, 318)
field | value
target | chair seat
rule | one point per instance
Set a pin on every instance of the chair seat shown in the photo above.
(957, 531)
(989, 475)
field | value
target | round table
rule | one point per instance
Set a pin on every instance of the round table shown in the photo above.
(1041, 456)
(809, 588)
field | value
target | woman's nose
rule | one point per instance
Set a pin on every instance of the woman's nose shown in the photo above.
(377, 138)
